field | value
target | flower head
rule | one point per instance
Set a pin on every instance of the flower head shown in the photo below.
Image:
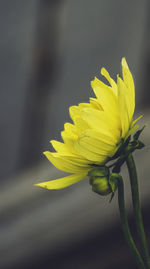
(96, 132)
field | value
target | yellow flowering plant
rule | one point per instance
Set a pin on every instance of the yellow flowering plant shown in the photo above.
(98, 142)
(97, 131)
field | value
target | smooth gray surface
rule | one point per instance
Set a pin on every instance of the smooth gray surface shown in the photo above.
(17, 30)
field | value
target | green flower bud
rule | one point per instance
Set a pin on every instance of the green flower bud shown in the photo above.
(101, 185)
(99, 180)
(102, 181)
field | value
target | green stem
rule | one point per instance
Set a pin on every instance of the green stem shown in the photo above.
(137, 209)
(125, 225)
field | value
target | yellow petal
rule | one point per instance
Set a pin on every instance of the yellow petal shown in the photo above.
(68, 164)
(128, 79)
(71, 129)
(123, 106)
(74, 111)
(100, 139)
(60, 147)
(90, 155)
(62, 182)
(110, 80)
(77, 160)
(84, 105)
(80, 125)
(69, 140)
(105, 96)
(97, 143)
(101, 121)
(95, 104)
(129, 82)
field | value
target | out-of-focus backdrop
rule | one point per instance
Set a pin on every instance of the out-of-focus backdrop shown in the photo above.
(49, 52)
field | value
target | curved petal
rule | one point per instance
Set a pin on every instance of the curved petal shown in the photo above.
(69, 139)
(113, 84)
(129, 82)
(123, 106)
(71, 128)
(61, 182)
(97, 143)
(101, 121)
(106, 97)
(74, 111)
(60, 147)
(80, 124)
(94, 146)
(90, 155)
(84, 105)
(128, 79)
(68, 164)
(95, 104)
(78, 160)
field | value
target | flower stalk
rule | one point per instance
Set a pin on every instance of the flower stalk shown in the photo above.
(125, 226)
(137, 209)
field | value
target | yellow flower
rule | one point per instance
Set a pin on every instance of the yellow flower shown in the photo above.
(97, 129)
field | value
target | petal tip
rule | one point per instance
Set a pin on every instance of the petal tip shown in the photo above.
(124, 63)
(103, 70)
(46, 152)
(41, 185)
(94, 82)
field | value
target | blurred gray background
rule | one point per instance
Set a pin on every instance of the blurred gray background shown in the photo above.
(49, 52)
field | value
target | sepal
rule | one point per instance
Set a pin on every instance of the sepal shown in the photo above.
(99, 171)
(137, 134)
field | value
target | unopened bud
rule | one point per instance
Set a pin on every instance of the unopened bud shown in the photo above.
(101, 185)
(99, 171)
(99, 180)
(102, 181)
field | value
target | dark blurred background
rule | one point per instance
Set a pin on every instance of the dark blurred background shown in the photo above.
(49, 52)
